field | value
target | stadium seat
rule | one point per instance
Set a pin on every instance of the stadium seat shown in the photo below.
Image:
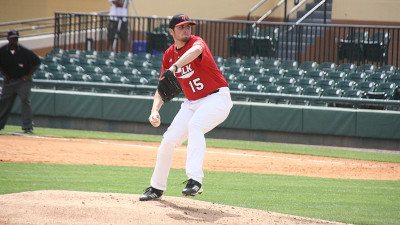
(244, 79)
(218, 60)
(292, 90)
(327, 66)
(316, 75)
(366, 86)
(295, 73)
(273, 72)
(367, 68)
(308, 66)
(388, 69)
(305, 82)
(325, 84)
(336, 76)
(289, 64)
(353, 94)
(265, 80)
(394, 78)
(346, 85)
(43, 75)
(251, 62)
(357, 76)
(286, 81)
(270, 63)
(153, 81)
(388, 88)
(347, 67)
(352, 47)
(332, 92)
(376, 49)
(312, 91)
(60, 75)
(275, 89)
(377, 78)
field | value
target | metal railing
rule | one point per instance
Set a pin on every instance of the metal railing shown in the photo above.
(356, 44)
(32, 27)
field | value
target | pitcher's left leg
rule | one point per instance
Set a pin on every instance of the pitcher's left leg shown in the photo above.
(213, 110)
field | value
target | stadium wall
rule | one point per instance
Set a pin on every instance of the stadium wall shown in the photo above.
(248, 121)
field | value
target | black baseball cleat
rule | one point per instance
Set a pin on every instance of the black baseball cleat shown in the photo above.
(28, 131)
(150, 194)
(192, 188)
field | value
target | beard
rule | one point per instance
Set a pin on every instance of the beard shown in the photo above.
(185, 39)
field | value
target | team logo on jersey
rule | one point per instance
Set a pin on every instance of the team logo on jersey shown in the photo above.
(187, 72)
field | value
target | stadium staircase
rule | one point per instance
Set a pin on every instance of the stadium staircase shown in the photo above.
(304, 37)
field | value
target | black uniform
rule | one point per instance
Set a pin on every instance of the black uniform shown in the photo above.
(15, 66)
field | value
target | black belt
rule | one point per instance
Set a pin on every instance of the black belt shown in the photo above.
(216, 91)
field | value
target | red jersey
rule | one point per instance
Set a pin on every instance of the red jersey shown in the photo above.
(200, 77)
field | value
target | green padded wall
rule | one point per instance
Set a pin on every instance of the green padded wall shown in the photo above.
(378, 124)
(297, 119)
(80, 106)
(125, 109)
(329, 121)
(276, 118)
(239, 117)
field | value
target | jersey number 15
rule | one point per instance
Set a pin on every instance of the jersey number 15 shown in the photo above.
(196, 85)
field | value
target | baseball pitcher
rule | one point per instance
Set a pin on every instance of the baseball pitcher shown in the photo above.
(187, 66)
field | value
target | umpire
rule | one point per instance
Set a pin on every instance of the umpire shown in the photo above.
(17, 65)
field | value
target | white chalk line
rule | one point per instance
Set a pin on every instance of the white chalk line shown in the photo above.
(139, 146)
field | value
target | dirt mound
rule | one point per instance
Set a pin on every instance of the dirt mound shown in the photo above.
(71, 207)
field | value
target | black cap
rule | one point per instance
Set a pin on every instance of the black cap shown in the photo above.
(13, 34)
(180, 20)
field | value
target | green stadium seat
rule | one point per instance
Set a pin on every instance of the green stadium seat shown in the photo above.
(286, 81)
(265, 80)
(336, 76)
(325, 84)
(394, 78)
(289, 64)
(366, 86)
(270, 63)
(347, 67)
(377, 78)
(295, 73)
(316, 75)
(305, 82)
(367, 68)
(353, 94)
(244, 79)
(327, 66)
(273, 72)
(42, 75)
(356, 76)
(308, 66)
(388, 69)
(346, 85)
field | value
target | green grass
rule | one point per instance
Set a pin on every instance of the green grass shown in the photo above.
(220, 143)
(350, 201)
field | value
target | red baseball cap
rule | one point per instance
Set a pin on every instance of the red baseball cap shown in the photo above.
(180, 20)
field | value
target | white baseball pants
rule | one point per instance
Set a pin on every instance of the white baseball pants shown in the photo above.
(194, 119)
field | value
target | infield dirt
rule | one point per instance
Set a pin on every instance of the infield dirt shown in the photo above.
(66, 207)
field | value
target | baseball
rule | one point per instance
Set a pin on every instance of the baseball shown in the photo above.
(156, 121)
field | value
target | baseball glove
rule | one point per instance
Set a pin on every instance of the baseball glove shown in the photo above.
(168, 87)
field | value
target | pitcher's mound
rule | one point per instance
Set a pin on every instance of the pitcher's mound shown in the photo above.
(71, 207)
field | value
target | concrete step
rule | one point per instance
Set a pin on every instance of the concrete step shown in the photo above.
(315, 14)
(309, 6)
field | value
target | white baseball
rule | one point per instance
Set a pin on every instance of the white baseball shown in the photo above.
(156, 121)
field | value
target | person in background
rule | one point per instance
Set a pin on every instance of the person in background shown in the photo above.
(118, 25)
(17, 64)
